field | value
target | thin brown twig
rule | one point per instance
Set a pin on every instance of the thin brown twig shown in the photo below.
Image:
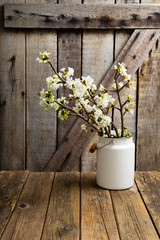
(63, 81)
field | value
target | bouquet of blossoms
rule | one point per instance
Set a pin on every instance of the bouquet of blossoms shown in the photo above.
(93, 105)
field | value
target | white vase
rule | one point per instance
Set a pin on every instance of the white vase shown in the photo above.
(115, 163)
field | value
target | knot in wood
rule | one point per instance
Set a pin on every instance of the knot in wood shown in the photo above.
(23, 205)
(68, 228)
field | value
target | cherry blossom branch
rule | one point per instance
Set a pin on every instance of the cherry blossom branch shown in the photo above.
(77, 114)
(107, 132)
(84, 108)
(94, 102)
(124, 112)
(115, 128)
(117, 108)
(63, 81)
(124, 103)
(123, 86)
(91, 105)
(121, 107)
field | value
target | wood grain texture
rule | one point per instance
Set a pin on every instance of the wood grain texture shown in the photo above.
(11, 185)
(62, 220)
(29, 215)
(69, 55)
(132, 55)
(82, 16)
(70, 149)
(148, 133)
(132, 217)
(12, 91)
(149, 186)
(88, 159)
(41, 124)
(97, 216)
(67, 206)
(121, 38)
(97, 57)
(137, 47)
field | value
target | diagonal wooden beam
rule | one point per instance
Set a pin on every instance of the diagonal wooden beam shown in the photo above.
(137, 47)
(102, 16)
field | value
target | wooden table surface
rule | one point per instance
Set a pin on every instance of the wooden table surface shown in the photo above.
(70, 206)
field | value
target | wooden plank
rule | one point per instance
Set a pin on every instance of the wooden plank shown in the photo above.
(69, 55)
(28, 218)
(62, 221)
(11, 185)
(148, 125)
(97, 216)
(83, 16)
(149, 187)
(12, 91)
(88, 159)
(121, 38)
(97, 58)
(41, 125)
(132, 217)
(136, 48)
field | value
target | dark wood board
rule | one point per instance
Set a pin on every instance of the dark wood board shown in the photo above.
(62, 221)
(41, 125)
(82, 16)
(148, 117)
(12, 95)
(71, 206)
(132, 217)
(28, 218)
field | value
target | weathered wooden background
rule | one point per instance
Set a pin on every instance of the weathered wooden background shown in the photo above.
(29, 136)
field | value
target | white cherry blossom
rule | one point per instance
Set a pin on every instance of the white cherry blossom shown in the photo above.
(90, 106)
(88, 81)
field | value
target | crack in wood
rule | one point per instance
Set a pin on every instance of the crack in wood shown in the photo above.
(12, 77)
(152, 36)
(157, 42)
(47, 19)
(150, 53)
